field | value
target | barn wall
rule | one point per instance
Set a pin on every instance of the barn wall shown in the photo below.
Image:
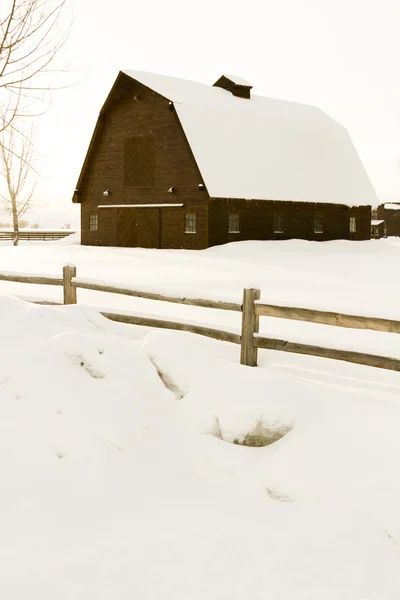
(175, 167)
(257, 219)
(391, 218)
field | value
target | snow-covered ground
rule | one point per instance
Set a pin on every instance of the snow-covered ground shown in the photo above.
(123, 469)
(121, 477)
(358, 278)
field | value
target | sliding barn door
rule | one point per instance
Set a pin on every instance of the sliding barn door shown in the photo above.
(126, 234)
(147, 227)
(139, 228)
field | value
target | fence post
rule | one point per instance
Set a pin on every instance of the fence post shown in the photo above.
(69, 271)
(248, 352)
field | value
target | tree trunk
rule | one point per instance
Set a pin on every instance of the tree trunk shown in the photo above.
(15, 223)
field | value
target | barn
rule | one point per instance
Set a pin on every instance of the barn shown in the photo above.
(390, 213)
(178, 164)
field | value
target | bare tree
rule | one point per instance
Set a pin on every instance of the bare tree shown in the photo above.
(32, 33)
(17, 157)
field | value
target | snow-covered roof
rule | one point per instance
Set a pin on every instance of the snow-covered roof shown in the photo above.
(392, 206)
(264, 148)
(238, 80)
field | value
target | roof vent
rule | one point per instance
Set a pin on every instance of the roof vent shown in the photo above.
(236, 85)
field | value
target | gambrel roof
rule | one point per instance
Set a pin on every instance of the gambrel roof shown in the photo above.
(264, 148)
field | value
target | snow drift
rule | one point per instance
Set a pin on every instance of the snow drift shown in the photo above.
(118, 478)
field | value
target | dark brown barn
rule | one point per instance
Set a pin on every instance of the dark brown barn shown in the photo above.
(390, 213)
(178, 164)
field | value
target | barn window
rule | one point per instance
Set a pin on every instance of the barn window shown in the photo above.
(93, 222)
(353, 225)
(233, 223)
(278, 222)
(190, 223)
(318, 223)
(139, 159)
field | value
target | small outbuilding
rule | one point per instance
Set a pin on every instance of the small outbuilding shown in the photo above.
(390, 213)
(378, 229)
(178, 164)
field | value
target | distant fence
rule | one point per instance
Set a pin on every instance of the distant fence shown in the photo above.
(36, 234)
(251, 308)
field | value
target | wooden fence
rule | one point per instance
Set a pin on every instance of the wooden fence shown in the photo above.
(251, 308)
(36, 234)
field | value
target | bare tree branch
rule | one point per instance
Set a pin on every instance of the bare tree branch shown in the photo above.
(32, 33)
(17, 157)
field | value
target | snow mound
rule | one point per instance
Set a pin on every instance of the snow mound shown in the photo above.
(211, 404)
(74, 238)
(115, 482)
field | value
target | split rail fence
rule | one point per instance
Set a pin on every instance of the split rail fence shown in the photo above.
(251, 308)
(35, 234)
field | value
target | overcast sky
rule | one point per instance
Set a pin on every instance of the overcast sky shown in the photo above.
(340, 55)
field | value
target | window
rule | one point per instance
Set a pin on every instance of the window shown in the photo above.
(190, 223)
(353, 225)
(278, 222)
(139, 159)
(318, 224)
(233, 223)
(93, 222)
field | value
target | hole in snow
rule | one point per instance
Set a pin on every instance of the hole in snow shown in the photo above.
(260, 436)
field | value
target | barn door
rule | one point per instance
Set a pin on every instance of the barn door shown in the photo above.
(139, 228)
(126, 233)
(147, 227)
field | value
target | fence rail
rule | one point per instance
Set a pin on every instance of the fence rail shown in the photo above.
(251, 308)
(36, 234)
(216, 334)
(327, 318)
(102, 287)
(36, 279)
(359, 358)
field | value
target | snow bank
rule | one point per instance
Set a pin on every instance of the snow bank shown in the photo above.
(119, 478)
(74, 238)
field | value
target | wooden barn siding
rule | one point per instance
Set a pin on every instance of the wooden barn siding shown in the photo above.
(392, 220)
(174, 167)
(257, 220)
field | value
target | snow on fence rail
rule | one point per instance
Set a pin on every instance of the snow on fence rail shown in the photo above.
(251, 308)
(90, 284)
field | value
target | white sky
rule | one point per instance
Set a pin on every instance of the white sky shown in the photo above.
(340, 55)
